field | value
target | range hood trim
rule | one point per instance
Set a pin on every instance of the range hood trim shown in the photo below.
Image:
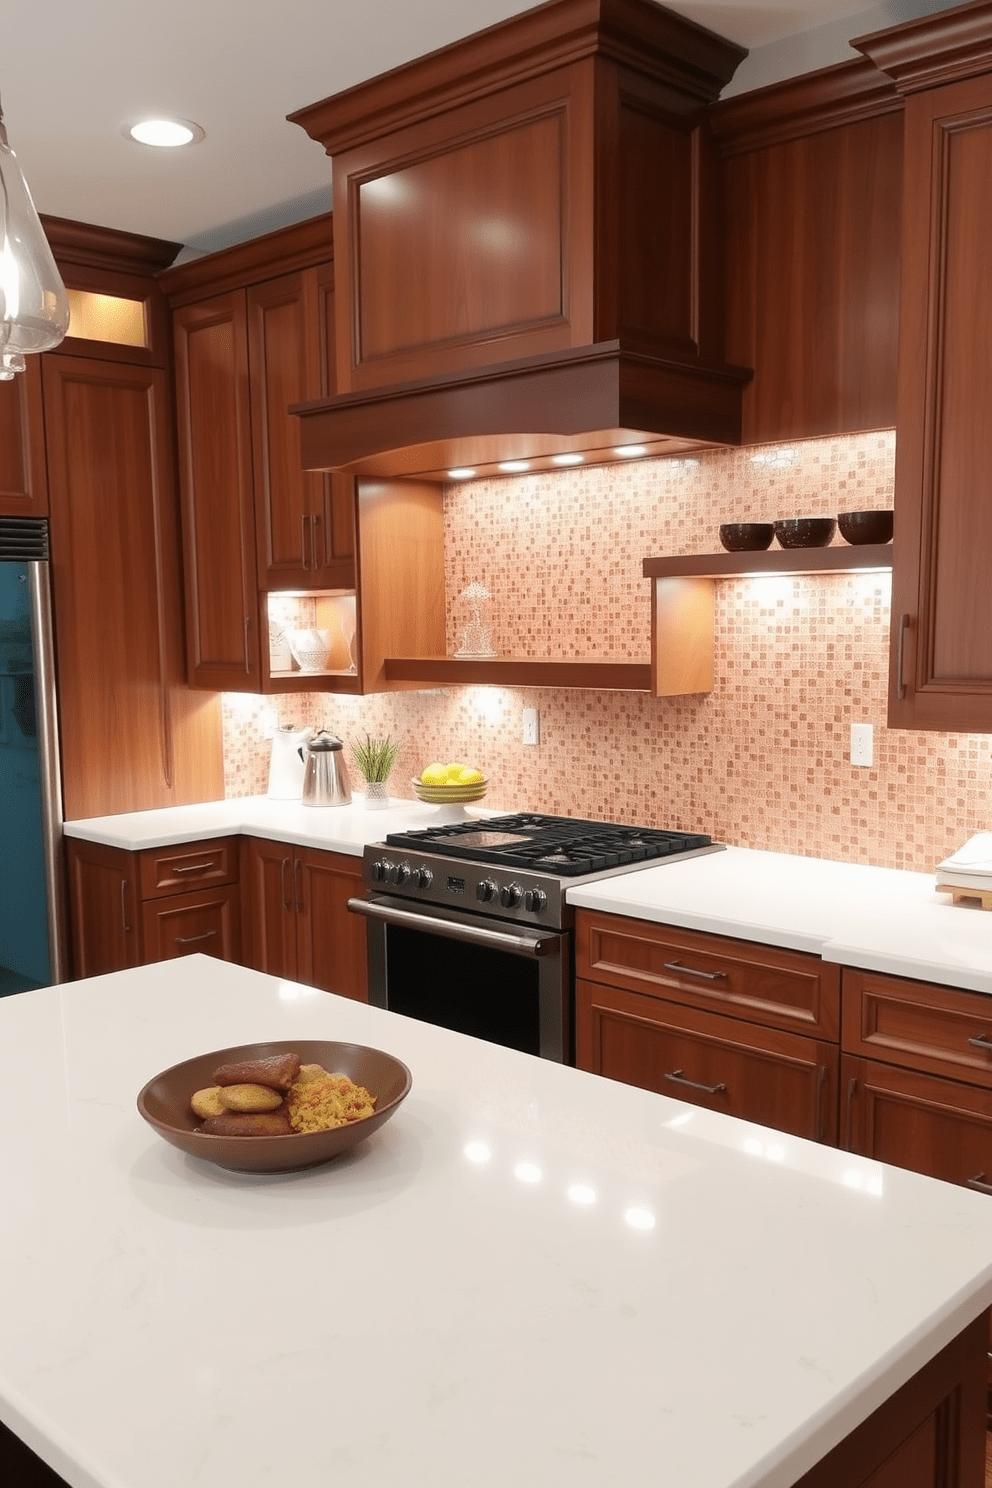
(602, 387)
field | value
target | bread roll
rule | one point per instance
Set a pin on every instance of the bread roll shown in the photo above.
(278, 1071)
(248, 1124)
(208, 1102)
(249, 1098)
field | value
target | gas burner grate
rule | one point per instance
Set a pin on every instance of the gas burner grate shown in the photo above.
(565, 846)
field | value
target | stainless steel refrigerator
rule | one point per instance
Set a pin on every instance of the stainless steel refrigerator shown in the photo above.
(32, 908)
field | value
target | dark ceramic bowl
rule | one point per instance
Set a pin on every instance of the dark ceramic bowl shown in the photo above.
(746, 537)
(865, 526)
(805, 532)
(164, 1103)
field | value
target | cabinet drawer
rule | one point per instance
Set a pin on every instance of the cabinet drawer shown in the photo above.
(933, 1126)
(776, 1079)
(173, 870)
(759, 983)
(207, 920)
(940, 1030)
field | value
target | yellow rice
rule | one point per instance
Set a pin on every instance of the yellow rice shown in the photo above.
(318, 1101)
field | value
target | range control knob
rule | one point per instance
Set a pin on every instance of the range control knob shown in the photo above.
(486, 890)
(424, 878)
(535, 899)
(400, 873)
(380, 869)
(510, 896)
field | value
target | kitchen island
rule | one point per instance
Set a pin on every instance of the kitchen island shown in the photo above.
(529, 1275)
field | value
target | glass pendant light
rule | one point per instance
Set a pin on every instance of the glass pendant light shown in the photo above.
(33, 302)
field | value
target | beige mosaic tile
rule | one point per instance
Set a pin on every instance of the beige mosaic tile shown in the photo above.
(761, 761)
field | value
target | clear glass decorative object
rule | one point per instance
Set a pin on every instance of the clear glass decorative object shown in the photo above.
(376, 795)
(476, 636)
(34, 307)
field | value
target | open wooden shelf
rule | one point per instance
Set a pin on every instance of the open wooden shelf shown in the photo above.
(521, 671)
(869, 556)
(682, 602)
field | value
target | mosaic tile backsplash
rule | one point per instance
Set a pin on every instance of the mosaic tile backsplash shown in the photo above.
(762, 761)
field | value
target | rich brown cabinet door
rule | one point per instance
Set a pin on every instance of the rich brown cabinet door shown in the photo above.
(131, 908)
(941, 674)
(23, 486)
(132, 735)
(296, 906)
(776, 1079)
(304, 522)
(214, 426)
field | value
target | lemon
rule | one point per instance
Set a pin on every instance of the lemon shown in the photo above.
(435, 775)
(468, 776)
(452, 773)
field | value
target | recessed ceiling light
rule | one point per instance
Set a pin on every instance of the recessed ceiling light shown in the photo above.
(566, 459)
(461, 472)
(164, 133)
(513, 467)
(631, 451)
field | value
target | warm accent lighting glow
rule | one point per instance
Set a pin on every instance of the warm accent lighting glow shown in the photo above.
(166, 134)
(462, 472)
(567, 459)
(631, 451)
(514, 467)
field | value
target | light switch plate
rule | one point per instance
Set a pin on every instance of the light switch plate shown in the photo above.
(531, 726)
(862, 744)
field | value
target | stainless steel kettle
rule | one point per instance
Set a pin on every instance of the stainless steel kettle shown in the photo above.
(325, 779)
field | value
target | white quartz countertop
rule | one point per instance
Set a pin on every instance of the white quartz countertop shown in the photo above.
(880, 919)
(530, 1275)
(344, 829)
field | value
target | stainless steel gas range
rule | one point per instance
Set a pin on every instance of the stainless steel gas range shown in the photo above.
(468, 923)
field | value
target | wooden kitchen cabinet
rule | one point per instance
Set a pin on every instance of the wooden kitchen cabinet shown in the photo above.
(23, 478)
(746, 1029)
(131, 908)
(296, 907)
(941, 653)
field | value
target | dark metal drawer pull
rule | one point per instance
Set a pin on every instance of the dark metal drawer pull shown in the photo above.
(900, 654)
(707, 976)
(194, 868)
(194, 939)
(981, 1041)
(979, 1182)
(678, 1078)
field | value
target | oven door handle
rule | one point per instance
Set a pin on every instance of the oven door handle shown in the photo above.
(515, 945)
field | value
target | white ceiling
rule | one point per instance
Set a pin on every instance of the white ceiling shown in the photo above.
(71, 74)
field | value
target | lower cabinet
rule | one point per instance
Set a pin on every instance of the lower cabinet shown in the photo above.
(296, 903)
(130, 908)
(737, 1027)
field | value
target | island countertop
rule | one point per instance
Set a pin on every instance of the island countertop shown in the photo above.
(530, 1275)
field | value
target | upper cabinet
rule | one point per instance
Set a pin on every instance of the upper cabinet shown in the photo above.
(23, 479)
(941, 671)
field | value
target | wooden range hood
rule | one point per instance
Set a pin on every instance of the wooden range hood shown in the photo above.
(527, 247)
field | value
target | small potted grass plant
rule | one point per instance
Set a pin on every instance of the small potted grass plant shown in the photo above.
(374, 759)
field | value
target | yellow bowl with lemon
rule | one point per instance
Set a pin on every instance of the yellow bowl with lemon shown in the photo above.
(450, 785)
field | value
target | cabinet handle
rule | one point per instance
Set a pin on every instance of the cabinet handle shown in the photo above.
(194, 867)
(287, 903)
(247, 652)
(314, 524)
(124, 888)
(297, 881)
(852, 1086)
(304, 524)
(678, 1078)
(981, 1041)
(707, 976)
(821, 1085)
(979, 1182)
(900, 653)
(194, 939)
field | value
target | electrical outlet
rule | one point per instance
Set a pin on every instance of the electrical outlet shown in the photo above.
(531, 726)
(862, 744)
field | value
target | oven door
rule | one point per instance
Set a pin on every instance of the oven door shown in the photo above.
(506, 983)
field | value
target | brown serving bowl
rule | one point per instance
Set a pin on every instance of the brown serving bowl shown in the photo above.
(164, 1103)
(746, 537)
(805, 532)
(865, 526)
